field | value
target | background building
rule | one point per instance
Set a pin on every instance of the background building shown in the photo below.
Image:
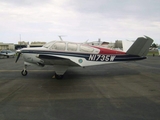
(21, 44)
(37, 44)
(7, 46)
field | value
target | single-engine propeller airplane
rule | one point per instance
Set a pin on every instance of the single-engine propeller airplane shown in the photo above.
(62, 55)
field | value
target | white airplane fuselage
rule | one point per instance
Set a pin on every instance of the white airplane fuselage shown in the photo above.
(93, 59)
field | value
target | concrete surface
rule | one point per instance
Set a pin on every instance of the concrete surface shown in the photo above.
(128, 91)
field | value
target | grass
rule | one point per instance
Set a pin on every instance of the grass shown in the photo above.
(155, 52)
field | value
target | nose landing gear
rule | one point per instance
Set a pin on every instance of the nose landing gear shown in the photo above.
(24, 71)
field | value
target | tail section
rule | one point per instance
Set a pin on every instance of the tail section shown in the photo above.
(140, 47)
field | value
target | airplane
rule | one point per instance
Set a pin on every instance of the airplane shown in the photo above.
(62, 55)
(7, 53)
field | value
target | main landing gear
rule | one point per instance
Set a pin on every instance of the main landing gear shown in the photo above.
(58, 76)
(59, 71)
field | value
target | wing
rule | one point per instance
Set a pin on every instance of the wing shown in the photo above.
(1, 54)
(58, 60)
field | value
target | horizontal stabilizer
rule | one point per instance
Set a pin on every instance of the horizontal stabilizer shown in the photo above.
(140, 47)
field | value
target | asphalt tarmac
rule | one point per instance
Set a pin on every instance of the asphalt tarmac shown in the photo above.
(129, 91)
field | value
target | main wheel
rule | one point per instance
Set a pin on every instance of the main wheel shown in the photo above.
(58, 76)
(24, 72)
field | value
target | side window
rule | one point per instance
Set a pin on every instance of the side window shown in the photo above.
(84, 48)
(72, 47)
(59, 46)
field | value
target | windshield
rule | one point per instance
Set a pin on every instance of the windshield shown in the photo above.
(48, 45)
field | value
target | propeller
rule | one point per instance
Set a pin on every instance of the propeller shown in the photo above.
(18, 55)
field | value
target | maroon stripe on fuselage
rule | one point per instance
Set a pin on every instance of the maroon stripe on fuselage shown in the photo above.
(108, 51)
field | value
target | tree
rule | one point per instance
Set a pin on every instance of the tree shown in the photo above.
(154, 45)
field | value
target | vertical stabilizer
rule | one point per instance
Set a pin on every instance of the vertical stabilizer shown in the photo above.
(140, 47)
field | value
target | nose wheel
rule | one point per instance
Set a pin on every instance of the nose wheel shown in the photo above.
(24, 72)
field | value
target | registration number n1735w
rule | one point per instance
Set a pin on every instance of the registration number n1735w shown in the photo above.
(94, 57)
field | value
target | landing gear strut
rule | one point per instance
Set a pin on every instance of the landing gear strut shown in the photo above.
(59, 71)
(24, 71)
(58, 76)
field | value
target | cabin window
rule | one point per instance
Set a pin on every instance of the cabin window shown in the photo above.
(59, 46)
(72, 47)
(84, 48)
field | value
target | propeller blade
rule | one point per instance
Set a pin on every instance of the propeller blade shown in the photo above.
(19, 53)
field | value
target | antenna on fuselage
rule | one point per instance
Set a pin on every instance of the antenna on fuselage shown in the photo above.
(86, 41)
(60, 37)
(99, 40)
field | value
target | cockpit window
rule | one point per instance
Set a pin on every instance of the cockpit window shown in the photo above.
(59, 46)
(72, 47)
(84, 48)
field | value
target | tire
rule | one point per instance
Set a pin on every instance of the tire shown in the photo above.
(58, 76)
(24, 72)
